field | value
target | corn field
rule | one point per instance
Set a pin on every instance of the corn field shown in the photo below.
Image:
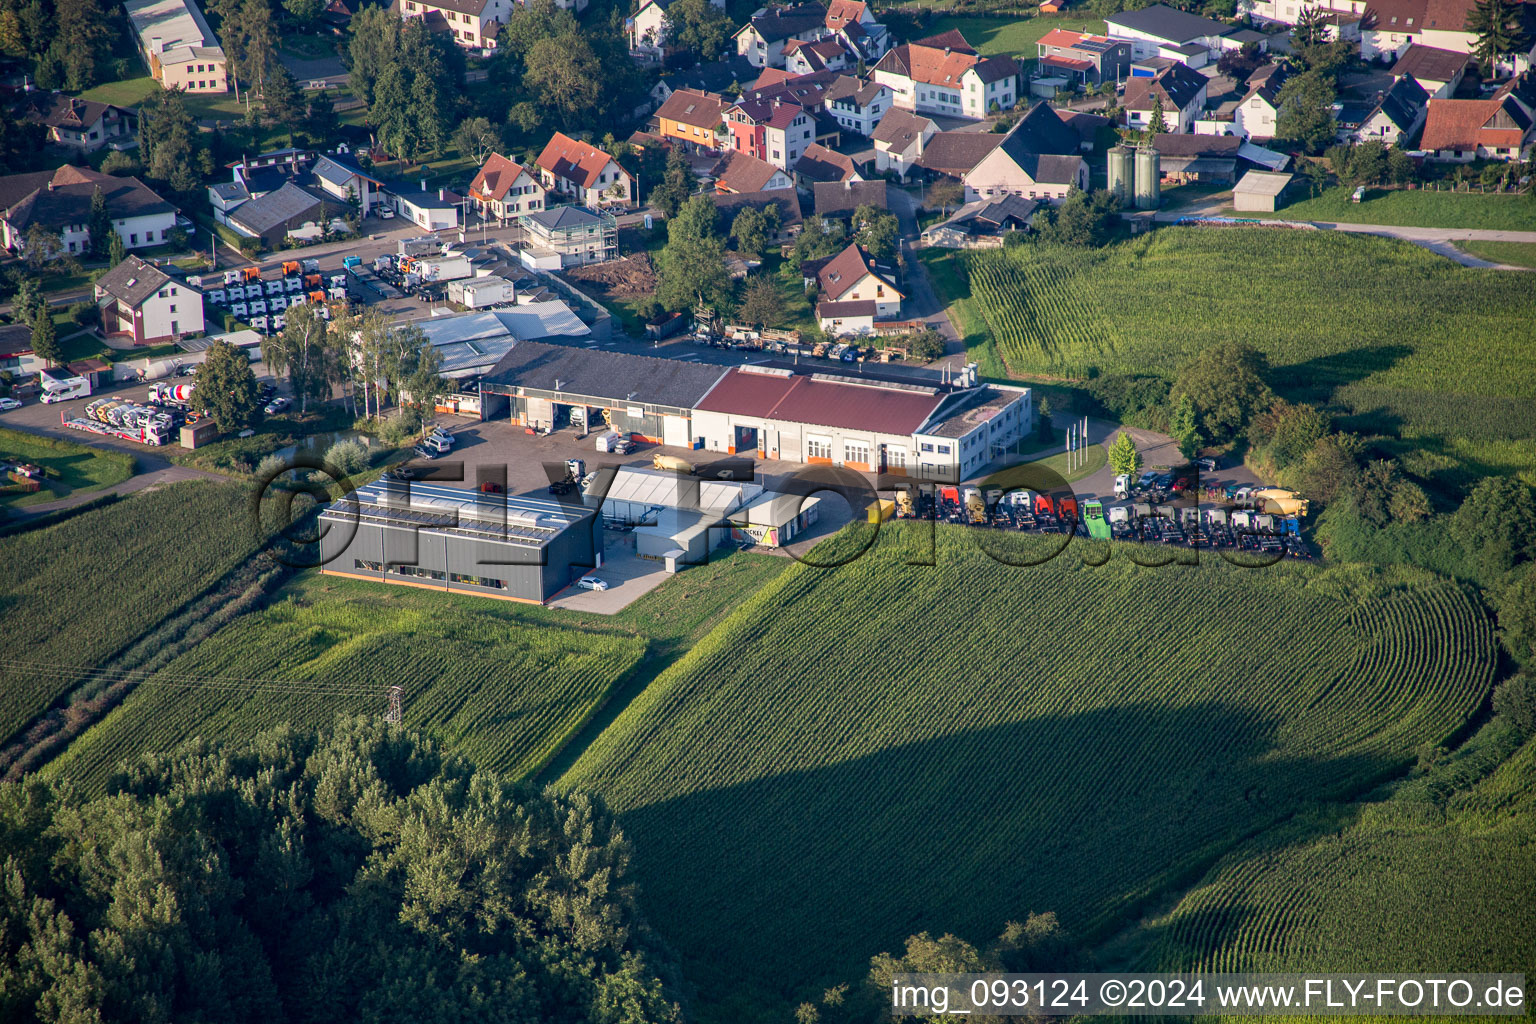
(1329, 311)
(504, 691)
(861, 753)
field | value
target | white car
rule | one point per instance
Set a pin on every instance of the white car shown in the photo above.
(592, 583)
(276, 405)
(7, 404)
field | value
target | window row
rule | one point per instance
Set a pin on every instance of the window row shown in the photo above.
(436, 575)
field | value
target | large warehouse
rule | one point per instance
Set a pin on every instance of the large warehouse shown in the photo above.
(671, 512)
(560, 385)
(867, 423)
(443, 538)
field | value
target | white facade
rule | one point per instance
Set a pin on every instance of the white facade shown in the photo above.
(861, 119)
(479, 292)
(433, 217)
(472, 31)
(1255, 118)
(872, 287)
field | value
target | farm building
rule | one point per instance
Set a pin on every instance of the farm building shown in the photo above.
(774, 519)
(444, 538)
(1259, 192)
(862, 421)
(537, 385)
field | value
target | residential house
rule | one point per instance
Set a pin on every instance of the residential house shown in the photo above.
(857, 104)
(346, 183)
(982, 223)
(431, 209)
(81, 125)
(1162, 31)
(16, 355)
(1394, 25)
(826, 54)
(1438, 71)
(647, 29)
(855, 291)
(840, 199)
(761, 40)
(1179, 92)
(1491, 129)
(179, 48)
(726, 78)
(291, 210)
(569, 236)
(140, 301)
(854, 23)
(59, 201)
(743, 173)
(472, 24)
(771, 130)
(585, 173)
(693, 119)
(785, 200)
(1086, 59)
(1288, 12)
(820, 164)
(954, 154)
(1397, 115)
(944, 75)
(899, 139)
(1039, 158)
(1258, 111)
(505, 190)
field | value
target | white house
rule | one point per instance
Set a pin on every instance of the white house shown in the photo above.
(1259, 110)
(770, 130)
(431, 209)
(857, 104)
(142, 302)
(1395, 25)
(899, 140)
(1493, 129)
(647, 28)
(1438, 71)
(854, 276)
(761, 40)
(1038, 159)
(505, 190)
(1154, 28)
(341, 180)
(60, 202)
(585, 173)
(1179, 91)
(1400, 112)
(944, 75)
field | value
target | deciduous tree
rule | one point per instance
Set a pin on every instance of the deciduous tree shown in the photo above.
(1226, 385)
(691, 267)
(1305, 116)
(699, 27)
(226, 387)
(762, 304)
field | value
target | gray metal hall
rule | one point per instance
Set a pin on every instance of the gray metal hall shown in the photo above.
(444, 538)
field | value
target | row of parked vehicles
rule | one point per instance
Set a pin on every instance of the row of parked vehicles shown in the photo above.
(264, 303)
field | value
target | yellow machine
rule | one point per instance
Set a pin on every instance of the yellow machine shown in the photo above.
(672, 464)
(1279, 501)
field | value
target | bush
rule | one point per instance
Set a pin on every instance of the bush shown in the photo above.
(118, 162)
(1515, 702)
(85, 314)
(271, 464)
(250, 246)
(400, 428)
(1517, 616)
(349, 456)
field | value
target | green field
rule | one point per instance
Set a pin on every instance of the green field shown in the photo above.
(70, 467)
(1417, 208)
(1516, 254)
(1443, 871)
(1012, 36)
(842, 763)
(506, 685)
(1149, 305)
(74, 594)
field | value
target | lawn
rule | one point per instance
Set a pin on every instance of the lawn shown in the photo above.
(1516, 254)
(1418, 208)
(895, 747)
(70, 467)
(507, 685)
(1012, 36)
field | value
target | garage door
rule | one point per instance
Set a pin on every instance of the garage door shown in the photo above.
(674, 431)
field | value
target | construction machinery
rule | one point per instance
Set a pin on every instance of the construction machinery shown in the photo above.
(975, 506)
(673, 464)
(574, 470)
(1279, 501)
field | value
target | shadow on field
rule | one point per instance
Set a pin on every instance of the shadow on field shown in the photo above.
(1315, 380)
(773, 889)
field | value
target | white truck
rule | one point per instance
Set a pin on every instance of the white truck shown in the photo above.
(614, 443)
(59, 388)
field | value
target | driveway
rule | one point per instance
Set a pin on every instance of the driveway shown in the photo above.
(629, 578)
(308, 70)
(922, 303)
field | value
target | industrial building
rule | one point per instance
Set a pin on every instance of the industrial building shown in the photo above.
(443, 538)
(675, 516)
(471, 344)
(551, 386)
(774, 519)
(864, 422)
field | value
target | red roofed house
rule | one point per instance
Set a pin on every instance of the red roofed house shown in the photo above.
(505, 189)
(939, 432)
(770, 130)
(741, 173)
(584, 173)
(1462, 130)
(855, 292)
(1084, 58)
(945, 75)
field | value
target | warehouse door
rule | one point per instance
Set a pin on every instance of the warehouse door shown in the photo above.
(674, 431)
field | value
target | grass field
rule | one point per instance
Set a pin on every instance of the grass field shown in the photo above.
(504, 684)
(71, 467)
(1516, 254)
(75, 593)
(1148, 305)
(1416, 880)
(1011, 36)
(1417, 209)
(862, 753)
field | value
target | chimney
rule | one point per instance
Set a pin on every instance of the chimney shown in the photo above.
(442, 195)
(423, 184)
(154, 44)
(847, 184)
(946, 51)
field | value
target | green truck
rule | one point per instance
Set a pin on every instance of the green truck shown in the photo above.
(1093, 516)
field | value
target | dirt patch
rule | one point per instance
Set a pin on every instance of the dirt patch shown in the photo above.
(632, 277)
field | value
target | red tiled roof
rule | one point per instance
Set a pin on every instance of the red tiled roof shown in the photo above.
(1061, 37)
(1071, 63)
(743, 172)
(847, 269)
(495, 177)
(697, 109)
(800, 399)
(772, 76)
(844, 12)
(580, 162)
(1467, 124)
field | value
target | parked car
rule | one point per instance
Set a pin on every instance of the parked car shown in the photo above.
(424, 453)
(1208, 463)
(275, 406)
(187, 370)
(1147, 479)
(266, 389)
(592, 583)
